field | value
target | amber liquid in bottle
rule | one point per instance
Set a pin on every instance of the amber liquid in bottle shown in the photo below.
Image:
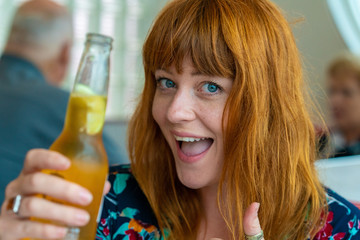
(81, 141)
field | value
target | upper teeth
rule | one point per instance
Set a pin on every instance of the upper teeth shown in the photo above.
(188, 139)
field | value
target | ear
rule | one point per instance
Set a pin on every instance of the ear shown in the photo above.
(62, 64)
(64, 56)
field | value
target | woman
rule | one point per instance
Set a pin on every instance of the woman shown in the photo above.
(221, 126)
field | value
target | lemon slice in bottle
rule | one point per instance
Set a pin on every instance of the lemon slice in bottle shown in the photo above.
(95, 108)
(96, 114)
(83, 89)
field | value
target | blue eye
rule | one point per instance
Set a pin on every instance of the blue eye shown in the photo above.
(211, 87)
(166, 83)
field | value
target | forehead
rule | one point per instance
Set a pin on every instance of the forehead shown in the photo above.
(345, 80)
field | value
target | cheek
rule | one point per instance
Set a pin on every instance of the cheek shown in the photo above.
(212, 117)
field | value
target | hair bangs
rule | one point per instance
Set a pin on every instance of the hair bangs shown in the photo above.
(192, 32)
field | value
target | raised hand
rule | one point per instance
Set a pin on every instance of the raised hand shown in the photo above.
(252, 226)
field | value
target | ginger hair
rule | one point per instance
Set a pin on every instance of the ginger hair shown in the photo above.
(269, 139)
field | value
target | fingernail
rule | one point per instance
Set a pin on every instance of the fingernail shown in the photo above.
(82, 218)
(85, 197)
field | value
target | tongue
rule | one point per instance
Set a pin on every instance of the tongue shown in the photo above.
(195, 148)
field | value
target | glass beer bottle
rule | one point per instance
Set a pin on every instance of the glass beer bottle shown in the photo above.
(81, 138)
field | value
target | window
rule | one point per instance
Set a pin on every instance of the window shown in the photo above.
(346, 14)
(127, 21)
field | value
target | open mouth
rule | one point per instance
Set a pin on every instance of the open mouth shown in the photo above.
(193, 146)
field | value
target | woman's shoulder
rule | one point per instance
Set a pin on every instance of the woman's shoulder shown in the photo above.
(343, 220)
(126, 211)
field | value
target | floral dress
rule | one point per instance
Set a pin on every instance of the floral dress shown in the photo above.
(127, 215)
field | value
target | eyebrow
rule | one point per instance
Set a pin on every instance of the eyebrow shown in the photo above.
(197, 73)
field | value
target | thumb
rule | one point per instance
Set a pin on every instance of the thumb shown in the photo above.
(251, 220)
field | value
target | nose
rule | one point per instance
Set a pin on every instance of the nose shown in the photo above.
(335, 99)
(182, 107)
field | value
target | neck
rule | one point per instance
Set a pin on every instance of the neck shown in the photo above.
(44, 62)
(212, 224)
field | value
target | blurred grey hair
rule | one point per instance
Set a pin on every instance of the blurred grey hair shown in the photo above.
(40, 28)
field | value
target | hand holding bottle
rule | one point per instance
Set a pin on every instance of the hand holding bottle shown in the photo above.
(32, 181)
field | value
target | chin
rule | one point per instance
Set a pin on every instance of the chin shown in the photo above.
(193, 179)
(189, 179)
(192, 184)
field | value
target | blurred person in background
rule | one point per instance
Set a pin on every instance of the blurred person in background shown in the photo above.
(32, 68)
(343, 79)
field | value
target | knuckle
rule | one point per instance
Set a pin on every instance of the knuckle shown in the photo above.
(24, 228)
(28, 205)
(34, 179)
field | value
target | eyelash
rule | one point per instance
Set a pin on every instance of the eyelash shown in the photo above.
(159, 79)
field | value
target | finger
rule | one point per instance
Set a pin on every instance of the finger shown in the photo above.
(39, 159)
(49, 185)
(251, 220)
(106, 187)
(11, 229)
(44, 209)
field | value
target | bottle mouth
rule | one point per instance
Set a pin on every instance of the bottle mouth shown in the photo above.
(99, 38)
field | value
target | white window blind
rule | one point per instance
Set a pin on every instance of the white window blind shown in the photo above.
(127, 21)
(346, 14)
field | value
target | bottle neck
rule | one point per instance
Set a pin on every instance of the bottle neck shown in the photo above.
(85, 114)
(93, 73)
(87, 103)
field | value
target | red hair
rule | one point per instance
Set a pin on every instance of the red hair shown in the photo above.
(269, 138)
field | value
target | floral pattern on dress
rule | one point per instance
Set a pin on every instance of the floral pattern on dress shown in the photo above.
(127, 215)
(124, 210)
(342, 222)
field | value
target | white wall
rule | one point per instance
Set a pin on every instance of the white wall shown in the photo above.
(317, 37)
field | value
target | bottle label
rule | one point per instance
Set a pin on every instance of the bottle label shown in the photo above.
(72, 234)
